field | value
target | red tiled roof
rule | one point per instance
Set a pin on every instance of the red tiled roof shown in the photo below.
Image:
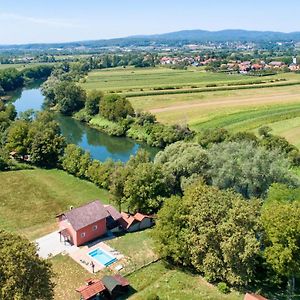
(140, 217)
(254, 297)
(123, 281)
(127, 220)
(113, 212)
(86, 215)
(94, 287)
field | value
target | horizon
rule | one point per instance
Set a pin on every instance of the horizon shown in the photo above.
(93, 20)
(147, 35)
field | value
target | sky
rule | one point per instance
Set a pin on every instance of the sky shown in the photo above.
(40, 21)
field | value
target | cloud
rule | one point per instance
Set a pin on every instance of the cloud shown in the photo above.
(58, 23)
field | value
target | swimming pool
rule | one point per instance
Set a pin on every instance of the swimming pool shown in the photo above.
(102, 257)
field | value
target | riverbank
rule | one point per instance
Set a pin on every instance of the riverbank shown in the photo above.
(100, 145)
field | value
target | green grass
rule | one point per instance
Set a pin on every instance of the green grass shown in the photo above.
(138, 248)
(22, 66)
(184, 97)
(251, 119)
(143, 80)
(169, 283)
(30, 199)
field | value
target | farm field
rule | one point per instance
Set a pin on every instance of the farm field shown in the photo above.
(21, 66)
(30, 199)
(208, 100)
(133, 81)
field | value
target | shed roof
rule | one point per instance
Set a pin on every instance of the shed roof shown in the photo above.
(111, 282)
(86, 215)
(113, 212)
(254, 297)
(127, 220)
(93, 287)
(140, 217)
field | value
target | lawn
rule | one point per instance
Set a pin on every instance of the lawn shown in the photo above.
(30, 199)
(170, 283)
(137, 248)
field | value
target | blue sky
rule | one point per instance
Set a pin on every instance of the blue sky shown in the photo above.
(72, 20)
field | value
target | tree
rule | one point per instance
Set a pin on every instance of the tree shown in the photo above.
(23, 275)
(248, 169)
(92, 102)
(71, 159)
(115, 107)
(213, 231)
(122, 172)
(281, 222)
(46, 144)
(70, 97)
(207, 137)
(144, 188)
(182, 160)
(17, 138)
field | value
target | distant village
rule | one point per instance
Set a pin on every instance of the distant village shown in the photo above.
(242, 67)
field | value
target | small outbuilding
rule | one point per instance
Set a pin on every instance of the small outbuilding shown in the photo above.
(116, 285)
(94, 289)
(129, 223)
(145, 221)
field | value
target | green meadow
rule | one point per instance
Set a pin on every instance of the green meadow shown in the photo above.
(30, 199)
(208, 100)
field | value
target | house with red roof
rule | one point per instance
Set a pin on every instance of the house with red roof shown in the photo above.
(136, 222)
(83, 224)
(91, 290)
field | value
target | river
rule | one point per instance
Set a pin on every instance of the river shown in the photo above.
(100, 145)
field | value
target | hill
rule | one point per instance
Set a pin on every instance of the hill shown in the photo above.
(184, 37)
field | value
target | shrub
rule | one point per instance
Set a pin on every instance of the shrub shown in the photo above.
(223, 288)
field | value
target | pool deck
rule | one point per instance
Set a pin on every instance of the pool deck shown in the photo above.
(81, 256)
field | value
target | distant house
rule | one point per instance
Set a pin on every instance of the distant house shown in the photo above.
(92, 290)
(116, 285)
(83, 224)
(254, 297)
(136, 222)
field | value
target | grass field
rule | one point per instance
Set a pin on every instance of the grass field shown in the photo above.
(174, 97)
(133, 80)
(21, 66)
(30, 199)
(158, 279)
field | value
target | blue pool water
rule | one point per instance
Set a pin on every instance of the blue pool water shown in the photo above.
(102, 257)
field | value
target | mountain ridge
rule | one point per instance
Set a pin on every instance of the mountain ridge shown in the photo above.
(193, 35)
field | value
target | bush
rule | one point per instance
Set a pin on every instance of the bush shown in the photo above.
(111, 128)
(82, 116)
(223, 288)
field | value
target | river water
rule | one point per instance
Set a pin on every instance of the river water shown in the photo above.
(100, 145)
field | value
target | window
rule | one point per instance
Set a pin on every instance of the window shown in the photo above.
(82, 234)
(95, 227)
